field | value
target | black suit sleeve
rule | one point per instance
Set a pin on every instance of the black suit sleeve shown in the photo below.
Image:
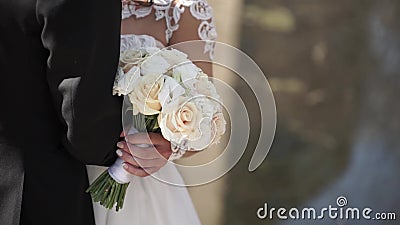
(82, 39)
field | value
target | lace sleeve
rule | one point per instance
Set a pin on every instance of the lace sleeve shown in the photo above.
(203, 12)
(172, 11)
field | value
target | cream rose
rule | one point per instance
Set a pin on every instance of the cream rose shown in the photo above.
(190, 120)
(144, 97)
(183, 123)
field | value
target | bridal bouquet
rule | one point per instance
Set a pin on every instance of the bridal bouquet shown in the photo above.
(168, 94)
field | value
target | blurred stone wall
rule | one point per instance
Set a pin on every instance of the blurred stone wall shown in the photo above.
(333, 67)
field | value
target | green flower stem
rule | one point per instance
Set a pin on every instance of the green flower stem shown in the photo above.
(115, 195)
(107, 191)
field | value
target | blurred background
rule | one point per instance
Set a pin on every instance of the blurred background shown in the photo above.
(334, 68)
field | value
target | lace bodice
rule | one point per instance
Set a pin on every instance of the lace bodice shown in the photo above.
(171, 12)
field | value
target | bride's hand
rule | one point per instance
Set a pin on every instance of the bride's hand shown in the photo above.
(143, 161)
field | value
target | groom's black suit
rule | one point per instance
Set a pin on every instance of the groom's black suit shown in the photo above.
(57, 65)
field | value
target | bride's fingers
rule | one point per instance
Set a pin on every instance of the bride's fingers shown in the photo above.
(146, 138)
(139, 138)
(123, 145)
(135, 171)
(149, 163)
(127, 158)
(137, 162)
(144, 153)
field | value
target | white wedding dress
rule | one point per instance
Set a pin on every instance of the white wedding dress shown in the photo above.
(149, 201)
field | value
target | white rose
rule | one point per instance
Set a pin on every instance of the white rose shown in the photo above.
(205, 137)
(170, 92)
(152, 50)
(144, 97)
(205, 87)
(207, 105)
(186, 72)
(125, 82)
(174, 57)
(131, 56)
(154, 65)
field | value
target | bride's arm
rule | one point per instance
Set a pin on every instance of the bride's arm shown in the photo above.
(188, 31)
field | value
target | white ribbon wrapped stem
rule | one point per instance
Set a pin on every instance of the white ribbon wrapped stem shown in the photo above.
(118, 173)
